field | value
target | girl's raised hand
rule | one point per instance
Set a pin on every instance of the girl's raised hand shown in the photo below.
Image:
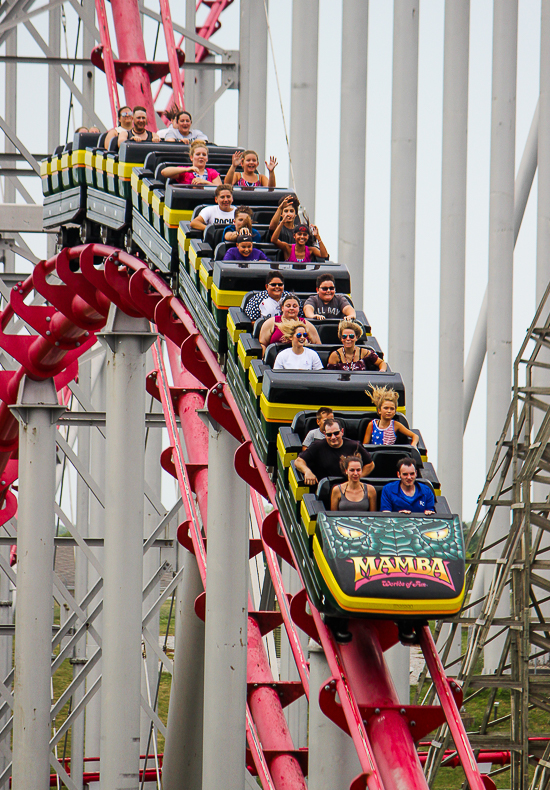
(272, 164)
(237, 158)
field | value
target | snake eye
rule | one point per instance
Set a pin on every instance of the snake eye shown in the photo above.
(348, 532)
(437, 534)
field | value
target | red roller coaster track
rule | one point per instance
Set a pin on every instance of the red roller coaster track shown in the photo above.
(368, 708)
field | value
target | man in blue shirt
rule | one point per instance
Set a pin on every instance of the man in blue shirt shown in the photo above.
(406, 495)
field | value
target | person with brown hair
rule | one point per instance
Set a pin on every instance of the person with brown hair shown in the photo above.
(181, 131)
(241, 224)
(138, 132)
(249, 177)
(353, 494)
(350, 356)
(197, 173)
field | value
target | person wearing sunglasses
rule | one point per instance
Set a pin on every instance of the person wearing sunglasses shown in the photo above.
(406, 494)
(322, 459)
(353, 357)
(125, 121)
(267, 304)
(297, 357)
(326, 303)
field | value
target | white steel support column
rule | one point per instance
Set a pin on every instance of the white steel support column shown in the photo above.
(353, 142)
(183, 747)
(10, 114)
(54, 95)
(253, 77)
(88, 43)
(54, 42)
(97, 530)
(403, 193)
(151, 563)
(127, 339)
(501, 259)
(81, 578)
(296, 714)
(303, 99)
(37, 409)
(225, 641)
(205, 86)
(453, 249)
(333, 761)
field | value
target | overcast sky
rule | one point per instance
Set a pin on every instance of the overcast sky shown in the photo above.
(32, 92)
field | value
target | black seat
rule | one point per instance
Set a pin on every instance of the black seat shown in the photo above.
(355, 423)
(213, 235)
(272, 252)
(327, 484)
(385, 458)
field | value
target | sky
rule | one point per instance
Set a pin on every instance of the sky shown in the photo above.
(32, 93)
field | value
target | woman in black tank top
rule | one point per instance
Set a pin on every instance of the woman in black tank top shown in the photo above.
(353, 495)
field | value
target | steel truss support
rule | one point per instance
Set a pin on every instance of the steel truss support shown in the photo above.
(37, 410)
(332, 757)
(127, 340)
(225, 640)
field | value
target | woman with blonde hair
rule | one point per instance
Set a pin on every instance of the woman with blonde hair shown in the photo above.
(197, 174)
(249, 177)
(297, 357)
(350, 356)
(384, 430)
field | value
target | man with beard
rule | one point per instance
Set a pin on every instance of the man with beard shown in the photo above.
(138, 133)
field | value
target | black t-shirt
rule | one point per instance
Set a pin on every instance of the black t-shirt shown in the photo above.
(324, 460)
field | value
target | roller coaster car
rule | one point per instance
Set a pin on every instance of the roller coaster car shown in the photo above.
(389, 564)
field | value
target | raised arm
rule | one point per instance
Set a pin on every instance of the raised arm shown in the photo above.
(321, 251)
(271, 165)
(286, 248)
(276, 218)
(231, 175)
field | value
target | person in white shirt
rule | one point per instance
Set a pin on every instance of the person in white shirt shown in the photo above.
(220, 214)
(181, 132)
(297, 357)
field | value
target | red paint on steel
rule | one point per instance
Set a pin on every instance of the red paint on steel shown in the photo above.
(452, 713)
(265, 706)
(171, 50)
(131, 50)
(107, 57)
(358, 690)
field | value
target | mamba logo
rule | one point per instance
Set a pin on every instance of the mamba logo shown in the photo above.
(368, 569)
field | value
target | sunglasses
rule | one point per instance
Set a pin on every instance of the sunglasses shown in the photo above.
(333, 433)
(125, 114)
(348, 337)
(327, 288)
(276, 285)
(301, 334)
